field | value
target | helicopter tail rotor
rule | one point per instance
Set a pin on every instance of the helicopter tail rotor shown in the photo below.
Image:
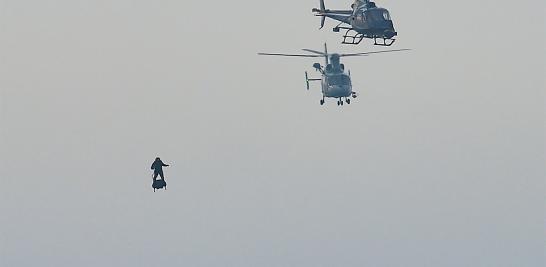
(321, 12)
(322, 21)
(322, 9)
(307, 80)
(326, 54)
(322, 6)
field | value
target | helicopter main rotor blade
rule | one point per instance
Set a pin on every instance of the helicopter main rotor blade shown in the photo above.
(288, 55)
(369, 53)
(314, 51)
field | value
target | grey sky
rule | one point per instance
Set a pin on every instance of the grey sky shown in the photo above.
(439, 162)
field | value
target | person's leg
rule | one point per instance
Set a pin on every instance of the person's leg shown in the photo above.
(161, 174)
(155, 175)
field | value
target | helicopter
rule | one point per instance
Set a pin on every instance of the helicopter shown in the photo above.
(365, 20)
(335, 81)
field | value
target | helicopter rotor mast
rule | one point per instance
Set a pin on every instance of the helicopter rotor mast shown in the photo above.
(325, 53)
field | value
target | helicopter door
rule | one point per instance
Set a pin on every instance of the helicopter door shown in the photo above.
(360, 17)
(386, 15)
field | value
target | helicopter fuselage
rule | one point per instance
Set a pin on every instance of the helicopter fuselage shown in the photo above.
(373, 22)
(336, 85)
(335, 82)
(365, 20)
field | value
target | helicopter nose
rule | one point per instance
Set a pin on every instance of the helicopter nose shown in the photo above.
(389, 34)
(339, 88)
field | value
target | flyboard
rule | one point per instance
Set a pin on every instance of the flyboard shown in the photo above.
(159, 184)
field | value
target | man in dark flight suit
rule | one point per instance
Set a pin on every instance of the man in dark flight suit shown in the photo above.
(157, 166)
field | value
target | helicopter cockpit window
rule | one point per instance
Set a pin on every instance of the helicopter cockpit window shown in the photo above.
(339, 79)
(360, 16)
(376, 15)
(386, 15)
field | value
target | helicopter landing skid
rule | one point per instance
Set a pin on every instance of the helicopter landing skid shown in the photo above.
(351, 36)
(386, 42)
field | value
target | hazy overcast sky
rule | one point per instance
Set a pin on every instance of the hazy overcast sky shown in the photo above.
(439, 162)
